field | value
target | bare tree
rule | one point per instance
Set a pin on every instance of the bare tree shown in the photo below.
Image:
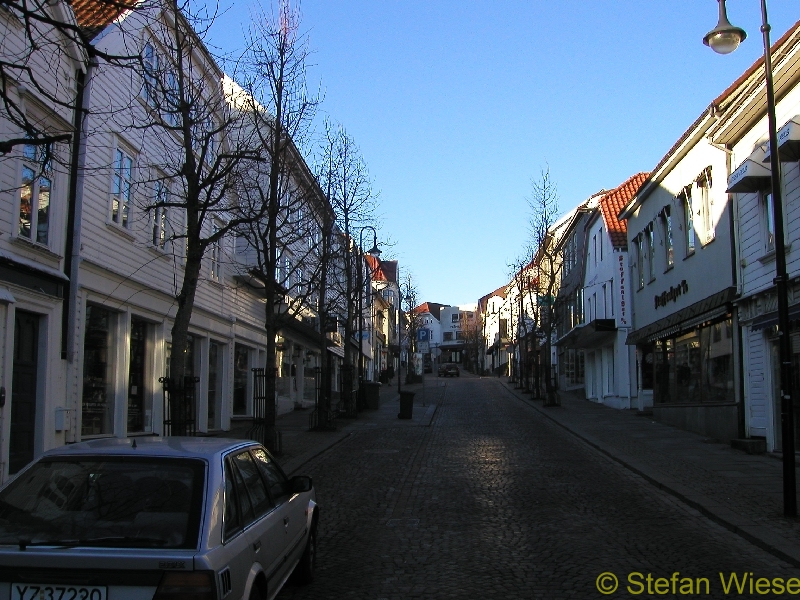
(413, 318)
(524, 315)
(197, 148)
(546, 268)
(296, 216)
(343, 175)
(44, 37)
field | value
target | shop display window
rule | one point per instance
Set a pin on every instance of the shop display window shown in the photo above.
(98, 367)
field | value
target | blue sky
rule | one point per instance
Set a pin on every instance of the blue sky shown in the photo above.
(457, 105)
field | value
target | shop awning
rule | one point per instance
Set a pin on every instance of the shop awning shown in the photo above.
(337, 350)
(297, 331)
(771, 319)
(788, 142)
(749, 177)
(589, 335)
(712, 307)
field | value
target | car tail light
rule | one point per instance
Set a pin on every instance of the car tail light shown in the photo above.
(187, 585)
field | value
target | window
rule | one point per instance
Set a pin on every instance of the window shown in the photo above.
(98, 372)
(161, 215)
(277, 484)
(686, 200)
(150, 65)
(121, 188)
(704, 208)
(666, 222)
(170, 108)
(769, 221)
(594, 249)
(447, 336)
(253, 484)
(601, 238)
(640, 260)
(34, 200)
(651, 252)
(216, 254)
(454, 318)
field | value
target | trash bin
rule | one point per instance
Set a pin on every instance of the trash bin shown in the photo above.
(406, 405)
(372, 394)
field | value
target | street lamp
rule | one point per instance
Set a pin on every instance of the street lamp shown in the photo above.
(723, 39)
(375, 253)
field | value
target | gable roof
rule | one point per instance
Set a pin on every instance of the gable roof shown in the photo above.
(614, 202)
(431, 307)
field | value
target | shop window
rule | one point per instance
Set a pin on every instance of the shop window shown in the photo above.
(241, 379)
(140, 397)
(215, 353)
(97, 407)
(696, 367)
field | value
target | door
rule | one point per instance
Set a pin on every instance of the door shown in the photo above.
(23, 392)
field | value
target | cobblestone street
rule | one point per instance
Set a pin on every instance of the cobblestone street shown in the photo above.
(492, 500)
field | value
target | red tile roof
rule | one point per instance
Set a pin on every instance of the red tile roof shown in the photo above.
(95, 15)
(614, 202)
(375, 268)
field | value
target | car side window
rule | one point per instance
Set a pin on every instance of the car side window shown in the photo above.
(253, 483)
(276, 481)
(246, 515)
(231, 516)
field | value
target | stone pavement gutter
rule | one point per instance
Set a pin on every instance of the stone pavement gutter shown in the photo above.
(739, 491)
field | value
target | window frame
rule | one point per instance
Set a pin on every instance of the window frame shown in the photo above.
(688, 221)
(121, 154)
(669, 243)
(38, 161)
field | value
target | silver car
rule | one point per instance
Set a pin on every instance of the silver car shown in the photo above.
(158, 518)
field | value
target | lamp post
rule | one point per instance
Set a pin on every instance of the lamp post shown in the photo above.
(399, 331)
(724, 39)
(374, 252)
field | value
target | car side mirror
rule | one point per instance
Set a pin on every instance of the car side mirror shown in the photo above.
(301, 483)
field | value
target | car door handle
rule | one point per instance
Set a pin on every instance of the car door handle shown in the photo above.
(285, 522)
(257, 546)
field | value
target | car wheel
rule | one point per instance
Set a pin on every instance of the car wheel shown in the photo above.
(255, 592)
(305, 568)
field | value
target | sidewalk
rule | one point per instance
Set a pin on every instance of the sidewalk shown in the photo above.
(301, 445)
(741, 492)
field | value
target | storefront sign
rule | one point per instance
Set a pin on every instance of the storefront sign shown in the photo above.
(623, 311)
(672, 294)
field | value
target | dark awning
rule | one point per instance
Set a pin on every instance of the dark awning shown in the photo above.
(749, 177)
(788, 142)
(771, 319)
(712, 307)
(296, 330)
(589, 335)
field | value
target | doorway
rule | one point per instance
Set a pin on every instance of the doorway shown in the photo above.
(23, 394)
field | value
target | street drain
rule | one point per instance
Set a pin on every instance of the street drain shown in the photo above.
(412, 523)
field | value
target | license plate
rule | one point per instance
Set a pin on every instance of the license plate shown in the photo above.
(56, 591)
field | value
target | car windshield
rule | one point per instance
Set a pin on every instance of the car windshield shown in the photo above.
(119, 502)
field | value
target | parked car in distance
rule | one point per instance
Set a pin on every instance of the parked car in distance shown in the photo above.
(175, 518)
(448, 370)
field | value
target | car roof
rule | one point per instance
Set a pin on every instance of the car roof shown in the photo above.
(174, 447)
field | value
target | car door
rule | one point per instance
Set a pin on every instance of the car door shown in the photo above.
(266, 531)
(291, 506)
